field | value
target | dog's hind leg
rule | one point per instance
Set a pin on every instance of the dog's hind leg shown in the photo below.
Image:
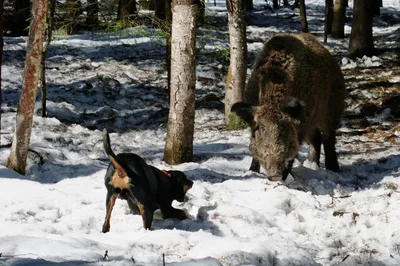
(147, 215)
(110, 202)
(132, 206)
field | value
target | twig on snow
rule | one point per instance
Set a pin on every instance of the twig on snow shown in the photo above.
(105, 257)
(339, 197)
(345, 258)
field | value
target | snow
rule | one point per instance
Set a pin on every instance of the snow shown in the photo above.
(54, 214)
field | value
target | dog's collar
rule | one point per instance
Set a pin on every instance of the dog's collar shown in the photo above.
(167, 173)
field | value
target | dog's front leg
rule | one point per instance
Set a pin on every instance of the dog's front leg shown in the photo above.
(110, 202)
(171, 212)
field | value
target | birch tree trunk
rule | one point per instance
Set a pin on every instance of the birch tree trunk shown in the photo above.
(339, 15)
(23, 125)
(303, 16)
(1, 54)
(179, 141)
(236, 78)
(361, 38)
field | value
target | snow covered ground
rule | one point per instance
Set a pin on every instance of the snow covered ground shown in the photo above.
(54, 215)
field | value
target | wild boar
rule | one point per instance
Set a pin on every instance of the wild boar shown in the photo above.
(296, 92)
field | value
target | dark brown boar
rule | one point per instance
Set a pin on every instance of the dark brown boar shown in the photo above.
(295, 92)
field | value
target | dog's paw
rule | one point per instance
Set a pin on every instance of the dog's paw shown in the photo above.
(106, 228)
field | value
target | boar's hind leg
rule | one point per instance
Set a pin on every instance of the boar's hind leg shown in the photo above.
(255, 166)
(314, 141)
(331, 161)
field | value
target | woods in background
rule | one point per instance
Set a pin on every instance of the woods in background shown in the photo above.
(72, 16)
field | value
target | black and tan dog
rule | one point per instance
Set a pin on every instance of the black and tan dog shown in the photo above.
(144, 187)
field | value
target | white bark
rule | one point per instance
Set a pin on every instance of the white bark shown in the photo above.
(179, 142)
(236, 79)
(23, 127)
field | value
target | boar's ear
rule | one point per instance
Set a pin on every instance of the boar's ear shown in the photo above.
(293, 107)
(244, 111)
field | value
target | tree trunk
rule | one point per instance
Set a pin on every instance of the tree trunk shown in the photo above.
(1, 55)
(377, 7)
(330, 16)
(49, 35)
(126, 11)
(74, 9)
(168, 22)
(327, 19)
(361, 38)
(23, 125)
(303, 16)
(236, 78)
(21, 18)
(92, 11)
(160, 8)
(248, 4)
(179, 141)
(285, 2)
(275, 4)
(339, 15)
(201, 11)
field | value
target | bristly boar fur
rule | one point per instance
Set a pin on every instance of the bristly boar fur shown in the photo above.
(296, 91)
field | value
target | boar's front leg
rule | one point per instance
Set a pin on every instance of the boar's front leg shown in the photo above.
(331, 161)
(314, 141)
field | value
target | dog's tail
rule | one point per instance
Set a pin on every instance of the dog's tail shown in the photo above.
(107, 147)
(106, 144)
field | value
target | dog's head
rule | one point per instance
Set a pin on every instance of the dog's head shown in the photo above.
(180, 185)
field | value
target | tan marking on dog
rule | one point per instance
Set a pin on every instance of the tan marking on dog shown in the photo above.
(120, 178)
(142, 213)
(111, 203)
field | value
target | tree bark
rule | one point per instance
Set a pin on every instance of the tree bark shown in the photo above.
(236, 78)
(303, 16)
(275, 4)
(327, 20)
(179, 141)
(361, 38)
(339, 15)
(23, 125)
(330, 16)
(126, 11)
(92, 11)
(21, 18)
(1, 55)
(49, 36)
(168, 29)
